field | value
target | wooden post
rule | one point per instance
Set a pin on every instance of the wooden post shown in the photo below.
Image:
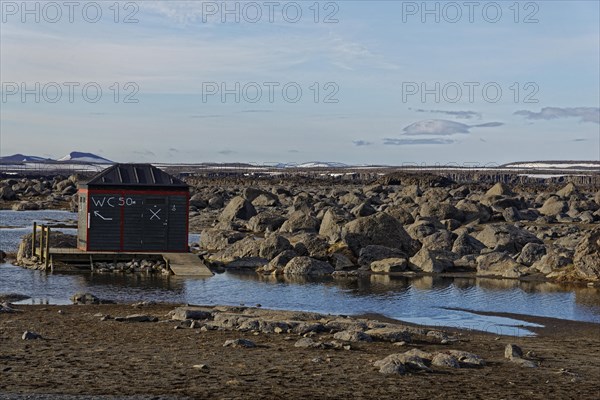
(42, 244)
(33, 239)
(47, 255)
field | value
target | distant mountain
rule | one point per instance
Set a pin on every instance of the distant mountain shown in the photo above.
(19, 158)
(77, 156)
(553, 164)
(313, 164)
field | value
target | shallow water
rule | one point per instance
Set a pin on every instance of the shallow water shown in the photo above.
(419, 300)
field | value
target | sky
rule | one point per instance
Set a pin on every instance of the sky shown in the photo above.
(357, 82)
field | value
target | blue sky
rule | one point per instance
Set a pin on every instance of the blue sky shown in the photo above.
(363, 68)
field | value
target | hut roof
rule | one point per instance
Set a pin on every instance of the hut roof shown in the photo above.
(138, 175)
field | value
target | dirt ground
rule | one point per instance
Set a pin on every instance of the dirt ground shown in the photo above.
(82, 355)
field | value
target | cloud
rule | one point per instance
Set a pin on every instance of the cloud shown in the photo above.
(457, 114)
(293, 151)
(585, 114)
(361, 143)
(442, 127)
(409, 142)
(579, 140)
(488, 125)
(226, 152)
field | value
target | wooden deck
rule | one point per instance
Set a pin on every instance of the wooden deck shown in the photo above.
(182, 264)
(186, 264)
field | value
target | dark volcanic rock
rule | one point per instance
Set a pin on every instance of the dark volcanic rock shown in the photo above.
(307, 266)
(587, 256)
(378, 229)
(239, 208)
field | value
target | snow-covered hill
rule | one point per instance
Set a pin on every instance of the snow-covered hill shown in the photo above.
(312, 164)
(77, 156)
(18, 158)
(553, 164)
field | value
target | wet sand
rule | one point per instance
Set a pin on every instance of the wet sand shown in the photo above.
(82, 355)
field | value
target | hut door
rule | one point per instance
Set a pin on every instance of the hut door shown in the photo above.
(155, 223)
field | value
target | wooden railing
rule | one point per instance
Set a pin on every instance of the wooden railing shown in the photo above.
(43, 250)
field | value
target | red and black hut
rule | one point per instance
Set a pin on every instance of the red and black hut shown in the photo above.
(133, 208)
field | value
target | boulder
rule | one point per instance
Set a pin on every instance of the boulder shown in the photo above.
(389, 334)
(505, 237)
(273, 245)
(331, 225)
(474, 211)
(467, 359)
(265, 200)
(187, 313)
(440, 211)
(277, 264)
(554, 206)
(25, 206)
(265, 222)
(569, 190)
(85, 298)
(341, 261)
(388, 265)
(401, 214)
(556, 258)
(371, 253)
(587, 256)
(352, 336)
(499, 189)
(440, 240)
(216, 202)
(308, 343)
(512, 351)
(198, 201)
(466, 244)
(434, 195)
(237, 208)
(424, 227)
(434, 261)
(363, 210)
(244, 343)
(252, 193)
(499, 264)
(7, 194)
(216, 239)
(445, 361)
(28, 335)
(300, 221)
(248, 263)
(247, 247)
(309, 244)
(62, 185)
(378, 229)
(403, 360)
(137, 318)
(531, 253)
(307, 266)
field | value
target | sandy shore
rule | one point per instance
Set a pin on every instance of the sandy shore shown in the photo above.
(82, 355)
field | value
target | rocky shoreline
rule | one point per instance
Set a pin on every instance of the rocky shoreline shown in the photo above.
(183, 351)
(399, 225)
